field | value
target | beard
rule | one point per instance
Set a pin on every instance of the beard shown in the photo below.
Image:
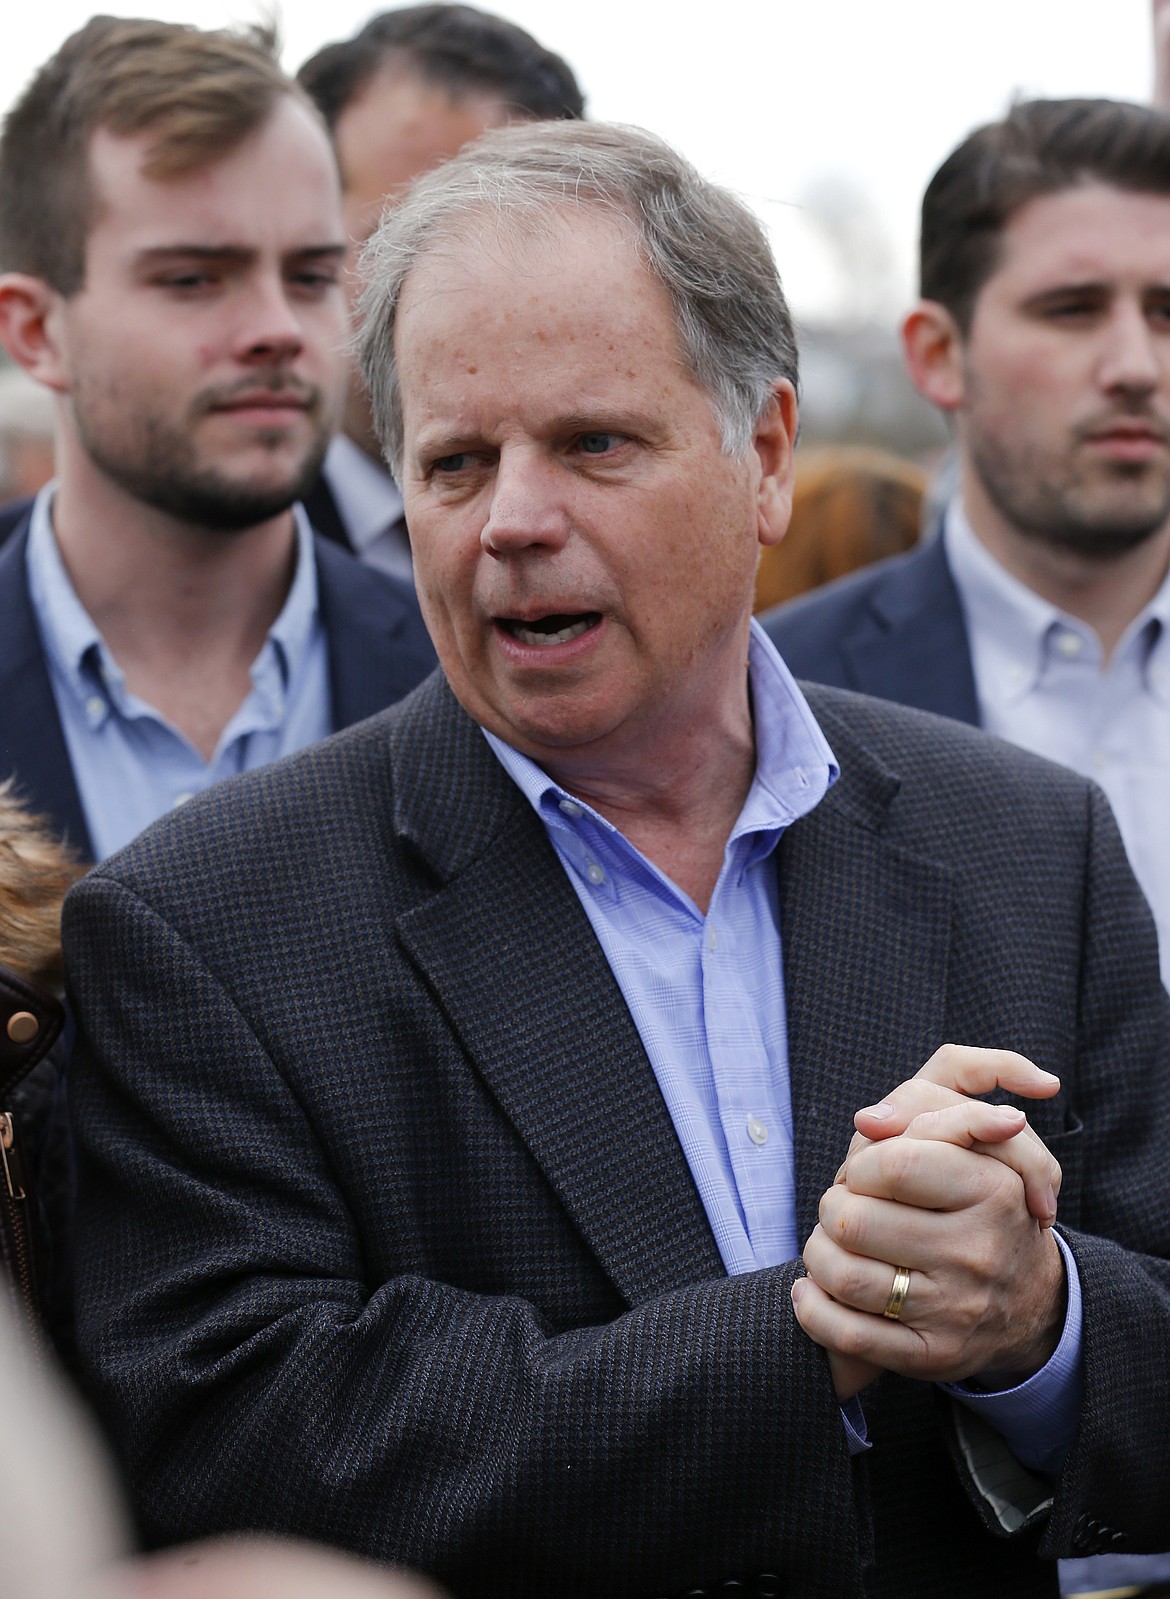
(1096, 509)
(155, 461)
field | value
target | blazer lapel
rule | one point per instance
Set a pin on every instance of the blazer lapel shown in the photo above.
(865, 927)
(552, 1037)
(32, 744)
(378, 646)
(915, 648)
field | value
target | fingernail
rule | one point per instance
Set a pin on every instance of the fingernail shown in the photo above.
(878, 1113)
(1050, 1200)
(798, 1289)
(1009, 1113)
(1049, 1077)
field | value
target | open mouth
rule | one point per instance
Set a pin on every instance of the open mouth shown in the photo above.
(544, 631)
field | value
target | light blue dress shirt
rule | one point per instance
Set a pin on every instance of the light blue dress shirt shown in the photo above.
(1040, 683)
(129, 763)
(706, 994)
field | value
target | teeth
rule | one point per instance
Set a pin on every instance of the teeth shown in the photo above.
(529, 635)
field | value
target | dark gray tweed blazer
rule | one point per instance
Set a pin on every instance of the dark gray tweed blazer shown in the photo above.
(387, 1239)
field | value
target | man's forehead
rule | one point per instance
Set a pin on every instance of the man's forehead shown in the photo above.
(522, 244)
(285, 162)
(1090, 232)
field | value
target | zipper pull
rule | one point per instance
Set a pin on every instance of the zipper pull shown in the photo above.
(10, 1158)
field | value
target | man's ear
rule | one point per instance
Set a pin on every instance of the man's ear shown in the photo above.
(775, 446)
(933, 347)
(29, 327)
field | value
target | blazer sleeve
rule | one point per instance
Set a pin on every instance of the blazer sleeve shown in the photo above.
(251, 1375)
(1114, 1492)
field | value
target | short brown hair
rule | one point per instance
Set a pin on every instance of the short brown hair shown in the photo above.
(201, 93)
(1041, 147)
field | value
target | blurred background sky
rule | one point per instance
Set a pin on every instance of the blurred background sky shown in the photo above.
(828, 116)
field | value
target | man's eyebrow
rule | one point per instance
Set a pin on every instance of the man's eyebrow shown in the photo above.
(1075, 286)
(161, 253)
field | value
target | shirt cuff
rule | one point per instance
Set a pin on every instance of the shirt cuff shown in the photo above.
(1038, 1418)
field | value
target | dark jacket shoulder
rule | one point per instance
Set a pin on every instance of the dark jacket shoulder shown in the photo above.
(895, 629)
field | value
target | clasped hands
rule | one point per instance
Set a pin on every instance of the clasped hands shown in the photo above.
(963, 1195)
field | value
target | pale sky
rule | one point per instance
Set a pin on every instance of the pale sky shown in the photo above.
(780, 99)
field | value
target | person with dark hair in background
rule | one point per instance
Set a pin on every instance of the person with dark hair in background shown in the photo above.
(172, 250)
(1041, 611)
(408, 91)
(451, 1208)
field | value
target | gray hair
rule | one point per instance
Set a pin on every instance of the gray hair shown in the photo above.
(701, 242)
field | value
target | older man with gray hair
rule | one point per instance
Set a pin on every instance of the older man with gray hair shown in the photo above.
(517, 1041)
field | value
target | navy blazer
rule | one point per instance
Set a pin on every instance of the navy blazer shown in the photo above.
(377, 645)
(895, 629)
(395, 1246)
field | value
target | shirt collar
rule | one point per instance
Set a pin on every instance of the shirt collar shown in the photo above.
(794, 763)
(368, 499)
(1015, 632)
(80, 653)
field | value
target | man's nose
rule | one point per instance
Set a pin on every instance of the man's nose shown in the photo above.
(270, 325)
(1135, 356)
(527, 506)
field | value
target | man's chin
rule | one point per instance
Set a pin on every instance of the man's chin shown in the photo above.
(219, 504)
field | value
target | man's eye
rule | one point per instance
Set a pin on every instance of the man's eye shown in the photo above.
(449, 464)
(316, 282)
(1072, 310)
(187, 282)
(597, 443)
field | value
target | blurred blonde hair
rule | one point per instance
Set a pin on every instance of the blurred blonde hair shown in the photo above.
(35, 871)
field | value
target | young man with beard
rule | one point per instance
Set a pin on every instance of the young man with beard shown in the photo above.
(1041, 611)
(172, 245)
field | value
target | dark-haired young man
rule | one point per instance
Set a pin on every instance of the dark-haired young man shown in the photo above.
(1042, 611)
(172, 252)
(408, 91)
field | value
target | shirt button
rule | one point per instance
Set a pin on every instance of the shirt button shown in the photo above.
(181, 799)
(712, 941)
(757, 1132)
(595, 874)
(569, 807)
(95, 707)
(1069, 644)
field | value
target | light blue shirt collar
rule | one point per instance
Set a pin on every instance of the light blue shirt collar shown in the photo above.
(1015, 632)
(82, 656)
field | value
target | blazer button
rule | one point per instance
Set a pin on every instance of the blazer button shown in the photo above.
(23, 1027)
(767, 1586)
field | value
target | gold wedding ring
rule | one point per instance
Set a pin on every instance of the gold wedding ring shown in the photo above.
(893, 1310)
